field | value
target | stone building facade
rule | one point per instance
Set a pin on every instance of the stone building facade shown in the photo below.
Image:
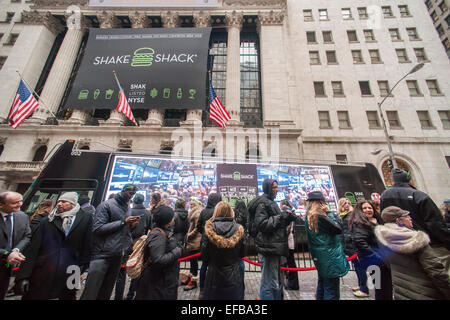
(311, 73)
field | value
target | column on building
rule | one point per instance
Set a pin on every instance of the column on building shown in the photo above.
(59, 75)
(108, 20)
(194, 116)
(156, 116)
(274, 70)
(234, 21)
(37, 36)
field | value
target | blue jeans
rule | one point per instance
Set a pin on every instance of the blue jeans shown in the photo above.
(242, 267)
(327, 288)
(271, 287)
(362, 276)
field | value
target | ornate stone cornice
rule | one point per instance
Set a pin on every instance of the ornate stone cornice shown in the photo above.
(255, 3)
(202, 19)
(139, 20)
(234, 19)
(108, 20)
(40, 18)
(170, 19)
(58, 3)
(270, 18)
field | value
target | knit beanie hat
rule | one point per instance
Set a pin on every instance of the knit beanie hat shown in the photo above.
(399, 175)
(162, 215)
(71, 197)
(138, 198)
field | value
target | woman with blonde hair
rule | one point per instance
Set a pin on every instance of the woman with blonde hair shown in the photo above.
(42, 211)
(325, 247)
(223, 248)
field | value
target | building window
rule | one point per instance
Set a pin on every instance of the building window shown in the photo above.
(404, 11)
(447, 158)
(413, 88)
(346, 13)
(433, 87)
(323, 14)
(445, 118)
(362, 12)
(357, 56)
(428, 4)
(331, 57)
(440, 30)
(372, 118)
(384, 88)
(395, 35)
(307, 15)
(319, 89)
(314, 57)
(338, 89)
(369, 35)
(341, 159)
(402, 56)
(387, 12)
(364, 86)
(425, 120)
(412, 34)
(12, 39)
(327, 37)
(420, 54)
(251, 106)
(2, 61)
(39, 155)
(374, 56)
(344, 120)
(446, 44)
(218, 64)
(311, 37)
(352, 37)
(324, 120)
(394, 121)
(9, 16)
(447, 20)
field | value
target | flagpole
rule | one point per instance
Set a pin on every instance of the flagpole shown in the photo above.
(41, 103)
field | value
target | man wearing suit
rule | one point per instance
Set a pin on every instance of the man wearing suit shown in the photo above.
(15, 236)
(61, 245)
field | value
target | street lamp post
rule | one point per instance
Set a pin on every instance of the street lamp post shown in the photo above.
(392, 163)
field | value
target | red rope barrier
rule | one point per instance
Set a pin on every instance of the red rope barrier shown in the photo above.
(259, 265)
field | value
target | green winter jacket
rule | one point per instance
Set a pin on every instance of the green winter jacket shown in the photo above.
(326, 247)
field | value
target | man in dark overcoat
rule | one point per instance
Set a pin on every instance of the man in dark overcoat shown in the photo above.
(58, 254)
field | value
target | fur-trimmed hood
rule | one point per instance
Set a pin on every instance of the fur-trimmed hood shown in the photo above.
(224, 233)
(401, 239)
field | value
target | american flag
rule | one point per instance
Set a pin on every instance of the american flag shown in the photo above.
(217, 112)
(123, 105)
(23, 105)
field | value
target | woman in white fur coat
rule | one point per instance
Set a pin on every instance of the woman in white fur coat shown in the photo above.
(417, 272)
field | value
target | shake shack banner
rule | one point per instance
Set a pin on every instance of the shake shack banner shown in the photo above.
(157, 68)
(154, 3)
(237, 182)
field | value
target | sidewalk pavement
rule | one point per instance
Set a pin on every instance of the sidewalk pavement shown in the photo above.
(307, 282)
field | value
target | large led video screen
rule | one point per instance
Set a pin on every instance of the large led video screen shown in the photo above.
(177, 178)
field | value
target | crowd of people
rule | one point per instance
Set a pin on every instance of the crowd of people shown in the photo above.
(402, 245)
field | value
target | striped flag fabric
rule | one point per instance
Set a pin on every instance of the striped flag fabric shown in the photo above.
(23, 105)
(123, 105)
(217, 112)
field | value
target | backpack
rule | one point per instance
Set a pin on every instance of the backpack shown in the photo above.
(252, 205)
(135, 263)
